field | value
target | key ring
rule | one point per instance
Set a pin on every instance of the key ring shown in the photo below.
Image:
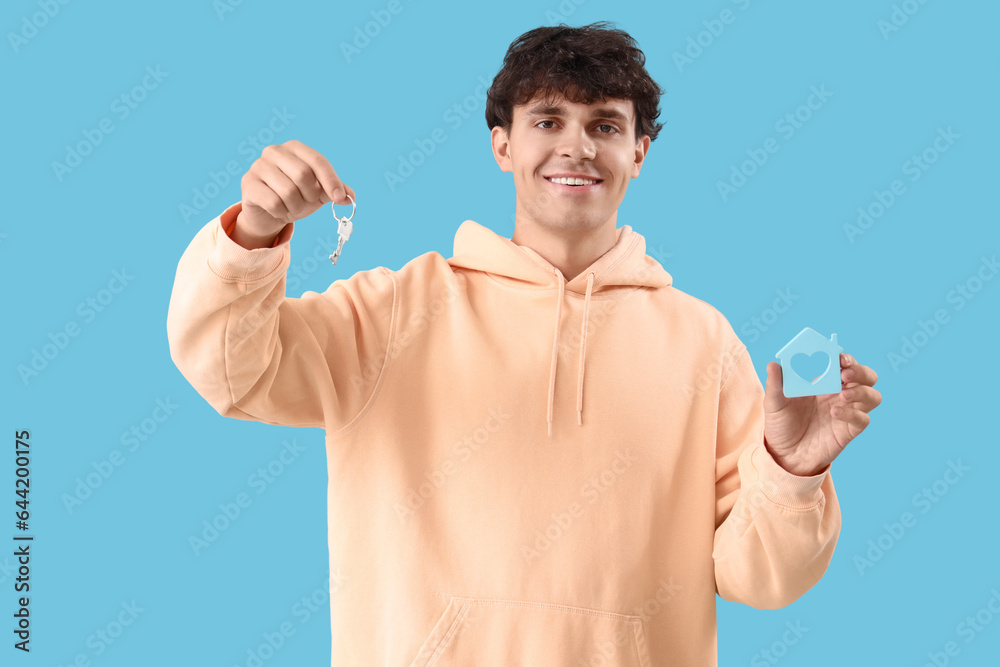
(332, 205)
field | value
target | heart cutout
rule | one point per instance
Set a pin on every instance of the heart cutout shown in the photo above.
(812, 365)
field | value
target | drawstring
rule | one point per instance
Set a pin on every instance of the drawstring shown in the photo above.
(555, 347)
(583, 347)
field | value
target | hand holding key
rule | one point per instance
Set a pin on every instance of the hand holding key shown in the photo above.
(286, 183)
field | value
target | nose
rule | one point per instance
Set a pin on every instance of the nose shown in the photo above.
(576, 143)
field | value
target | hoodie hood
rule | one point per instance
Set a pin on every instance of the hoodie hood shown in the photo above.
(623, 268)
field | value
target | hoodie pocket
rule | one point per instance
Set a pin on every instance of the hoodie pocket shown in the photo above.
(495, 633)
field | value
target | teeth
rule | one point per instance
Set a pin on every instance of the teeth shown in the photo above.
(572, 181)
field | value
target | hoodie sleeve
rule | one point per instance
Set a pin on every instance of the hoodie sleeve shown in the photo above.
(254, 353)
(775, 531)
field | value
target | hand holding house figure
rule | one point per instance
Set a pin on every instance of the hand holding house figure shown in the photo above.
(808, 424)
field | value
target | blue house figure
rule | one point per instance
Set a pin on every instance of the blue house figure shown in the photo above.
(809, 343)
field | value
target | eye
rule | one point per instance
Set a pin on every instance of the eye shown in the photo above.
(612, 128)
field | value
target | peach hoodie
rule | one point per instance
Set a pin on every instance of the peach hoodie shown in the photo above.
(523, 470)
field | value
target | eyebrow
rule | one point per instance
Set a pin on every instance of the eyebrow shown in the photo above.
(543, 109)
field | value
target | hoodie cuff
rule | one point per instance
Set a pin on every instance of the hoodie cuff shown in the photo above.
(784, 488)
(231, 261)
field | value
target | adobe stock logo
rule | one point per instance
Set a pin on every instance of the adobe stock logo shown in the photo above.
(381, 18)
(565, 9)
(250, 147)
(714, 28)
(899, 17)
(303, 610)
(223, 7)
(103, 469)
(88, 310)
(562, 521)
(779, 649)
(454, 115)
(122, 106)
(787, 125)
(759, 324)
(968, 629)
(462, 450)
(961, 294)
(914, 167)
(105, 636)
(924, 500)
(231, 511)
(30, 28)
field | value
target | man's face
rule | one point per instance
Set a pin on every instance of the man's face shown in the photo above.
(547, 140)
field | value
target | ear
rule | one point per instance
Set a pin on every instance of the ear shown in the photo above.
(501, 148)
(641, 149)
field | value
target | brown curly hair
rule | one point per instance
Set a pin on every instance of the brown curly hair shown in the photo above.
(585, 64)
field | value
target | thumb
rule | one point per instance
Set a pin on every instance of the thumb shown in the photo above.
(774, 395)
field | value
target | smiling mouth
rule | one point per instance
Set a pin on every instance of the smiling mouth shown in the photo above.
(573, 185)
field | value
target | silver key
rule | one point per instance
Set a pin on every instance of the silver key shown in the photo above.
(344, 229)
(336, 253)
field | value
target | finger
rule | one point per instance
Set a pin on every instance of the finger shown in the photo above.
(323, 172)
(349, 191)
(863, 375)
(774, 395)
(774, 374)
(861, 397)
(856, 418)
(300, 175)
(853, 373)
(288, 197)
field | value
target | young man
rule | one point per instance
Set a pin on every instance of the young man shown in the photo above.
(539, 451)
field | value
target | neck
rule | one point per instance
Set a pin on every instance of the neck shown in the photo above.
(569, 250)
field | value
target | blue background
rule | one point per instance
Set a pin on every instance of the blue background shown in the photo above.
(783, 230)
